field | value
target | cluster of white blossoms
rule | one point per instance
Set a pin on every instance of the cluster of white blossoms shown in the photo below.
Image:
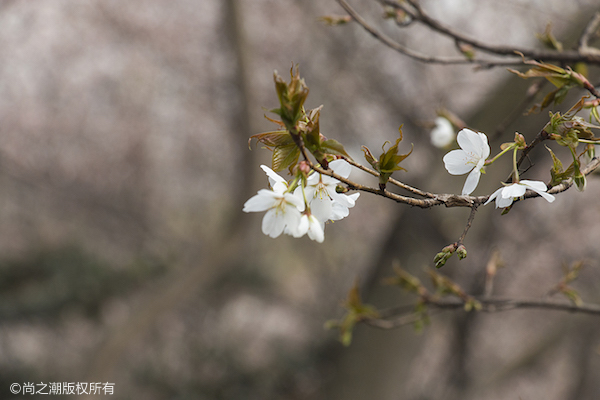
(305, 208)
(471, 158)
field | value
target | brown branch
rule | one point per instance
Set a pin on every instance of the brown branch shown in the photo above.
(393, 181)
(432, 199)
(417, 13)
(584, 54)
(564, 185)
(391, 319)
(414, 10)
(416, 55)
(449, 200)
(469, 223)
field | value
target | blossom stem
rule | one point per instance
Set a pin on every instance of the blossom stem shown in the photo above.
(589, 141)
(497, 156)
(515, 167)
(292, 186)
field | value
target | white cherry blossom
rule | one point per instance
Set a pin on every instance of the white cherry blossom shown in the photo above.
(283, 209)
(442, 135)
(507, 194)
(309, 224)
(474, 150)
(325, 202)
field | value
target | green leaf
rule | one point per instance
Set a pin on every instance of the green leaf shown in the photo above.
(274, 138)
(291, 98)
(557, 172)
(284, 157)
(389, 161)
(562, 79)
(331, 146)
(369, 157)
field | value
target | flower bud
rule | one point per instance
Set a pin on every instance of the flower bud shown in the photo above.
(461, 252)
(520, 140)
(580, 182)
(304, 168)
(441, 258)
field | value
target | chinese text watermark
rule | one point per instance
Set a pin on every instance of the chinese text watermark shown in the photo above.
(63, 388)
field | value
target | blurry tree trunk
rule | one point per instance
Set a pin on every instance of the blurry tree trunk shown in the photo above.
(197, 269)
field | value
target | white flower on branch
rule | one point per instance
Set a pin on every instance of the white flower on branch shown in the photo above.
(474, 150)
(309, 224)
(442, 135)
(325, 202)
(507, 194)
(283, 208)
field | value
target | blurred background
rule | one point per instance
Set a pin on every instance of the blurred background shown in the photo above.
(124, 164)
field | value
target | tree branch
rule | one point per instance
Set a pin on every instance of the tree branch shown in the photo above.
(416, 55)
(396, 317)
(413, 9)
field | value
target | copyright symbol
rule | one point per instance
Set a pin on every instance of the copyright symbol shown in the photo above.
(15, 388)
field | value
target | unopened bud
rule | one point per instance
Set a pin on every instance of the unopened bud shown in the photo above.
(520, 140)
(461, 252)
(441, 258)
(304, 167)
(451, 248)
(580, 182)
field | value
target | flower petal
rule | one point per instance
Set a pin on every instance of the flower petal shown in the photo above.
(272, 224)
(341, 167)
(512, 191)
(321, 208)
(547, 196)
(540, 188)
(295, 199)
(278, 184)
(486, 147)
(343, 199)
(262, 201)
(315, 229)
(536, 186)
(457, 162)
(471, 182)
(474, 143)
(469, 141)
(503, 202)
(493, 196)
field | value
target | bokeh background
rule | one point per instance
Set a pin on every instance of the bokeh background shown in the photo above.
(124, 165)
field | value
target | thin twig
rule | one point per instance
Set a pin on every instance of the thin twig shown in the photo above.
(416, 55)
(417, 13)
(590, 30)
(393, 181)
(488, 304)
(469, 223)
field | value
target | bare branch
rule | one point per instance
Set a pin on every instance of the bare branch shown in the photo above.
(416, 55)
(469, 223)
(392, 319)
(588, 55)
(393, 181)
